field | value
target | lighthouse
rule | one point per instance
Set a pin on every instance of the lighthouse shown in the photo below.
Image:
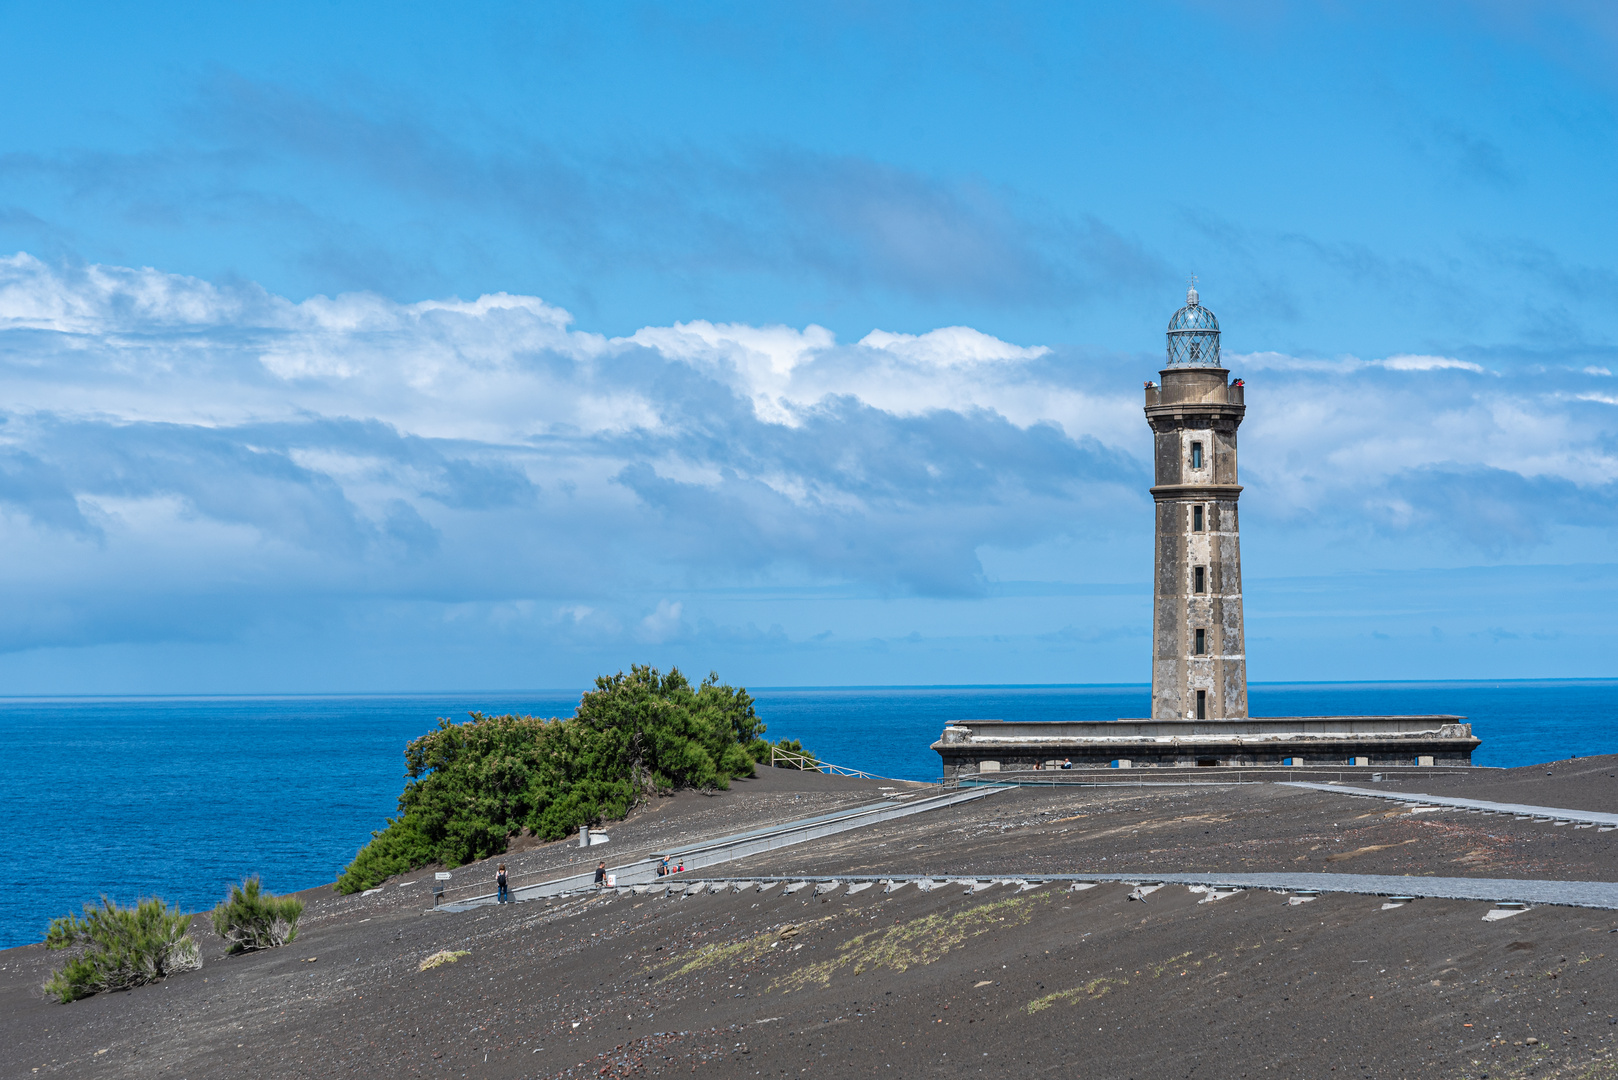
(1199, 652)
(1199, 659)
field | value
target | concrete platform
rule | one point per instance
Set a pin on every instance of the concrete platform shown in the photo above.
(1388, 742)
(1555, 814)
(1587, 894)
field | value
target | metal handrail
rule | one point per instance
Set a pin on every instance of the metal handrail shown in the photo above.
(809, 763)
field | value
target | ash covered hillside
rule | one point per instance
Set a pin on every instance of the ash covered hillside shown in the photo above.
(1041, 980)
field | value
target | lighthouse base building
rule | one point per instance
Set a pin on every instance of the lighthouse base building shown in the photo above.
(1199, 653)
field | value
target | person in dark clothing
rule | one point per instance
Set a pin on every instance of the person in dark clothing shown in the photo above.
(601, 874)
(504, 895)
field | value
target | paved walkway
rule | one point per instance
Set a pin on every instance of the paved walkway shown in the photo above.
(1523, 810)
(1589, 894)
(704, 853)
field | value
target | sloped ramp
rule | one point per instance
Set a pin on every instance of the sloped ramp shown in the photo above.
(725, 849)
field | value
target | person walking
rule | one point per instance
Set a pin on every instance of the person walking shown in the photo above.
(601, 874)
(504, 894)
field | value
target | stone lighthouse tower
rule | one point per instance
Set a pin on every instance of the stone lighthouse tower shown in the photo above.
(1199, 660)
(1199, 656)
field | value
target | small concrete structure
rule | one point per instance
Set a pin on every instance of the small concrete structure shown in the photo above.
(1199, 653)
(967, 746)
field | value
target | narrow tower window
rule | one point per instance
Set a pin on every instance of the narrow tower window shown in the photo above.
(1196, 455)
(1201, 582)
(1196, 519)
(1202, 642)
(1202, 704)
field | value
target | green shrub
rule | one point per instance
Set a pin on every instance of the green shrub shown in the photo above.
(253, 919)
(122, 947)
(473, 785)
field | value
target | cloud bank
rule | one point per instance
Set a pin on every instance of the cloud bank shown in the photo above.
(200, 461)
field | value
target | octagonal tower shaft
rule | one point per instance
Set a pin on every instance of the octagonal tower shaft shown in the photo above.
(1199, 655)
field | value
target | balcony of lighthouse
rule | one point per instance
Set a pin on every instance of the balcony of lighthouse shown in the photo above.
(1194, 386)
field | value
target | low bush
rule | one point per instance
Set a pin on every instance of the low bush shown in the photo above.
(122, 947)
(473, 785)
(253, 919)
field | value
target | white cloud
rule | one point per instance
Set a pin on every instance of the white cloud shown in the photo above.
(1274, 361)
(951, 346)
(757, 361)
(169, 437)
(663, 624)
(1407, 362)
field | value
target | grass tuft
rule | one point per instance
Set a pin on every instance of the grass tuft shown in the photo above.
(442, 957)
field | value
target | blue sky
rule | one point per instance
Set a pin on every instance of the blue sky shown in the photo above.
(352, 347)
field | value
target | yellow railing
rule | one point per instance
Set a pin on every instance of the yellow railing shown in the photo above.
(787, 759)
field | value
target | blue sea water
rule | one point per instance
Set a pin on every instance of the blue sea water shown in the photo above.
(179, 797)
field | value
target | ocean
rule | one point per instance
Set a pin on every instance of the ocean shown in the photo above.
(179, 797)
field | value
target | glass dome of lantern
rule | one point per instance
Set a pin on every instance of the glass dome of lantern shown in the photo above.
(1193, 335)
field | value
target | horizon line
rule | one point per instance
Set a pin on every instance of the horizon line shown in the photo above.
(399, 694)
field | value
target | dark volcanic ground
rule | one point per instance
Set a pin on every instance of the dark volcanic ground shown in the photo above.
(1044, 982)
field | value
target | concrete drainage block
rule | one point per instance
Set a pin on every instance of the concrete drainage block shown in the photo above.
(1395, 902)
(926, 885)
(1302, 896)
(1504, 911)
(893, 886)
(976, 886)
(1080, 886)
(1141, 892)
(1025, 886)
(859, 886)
(795, 886)
(768, 885)
(826, 887)
(1214, 892)
(718, 887)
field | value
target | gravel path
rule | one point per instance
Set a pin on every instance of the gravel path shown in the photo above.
(1545, 813)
